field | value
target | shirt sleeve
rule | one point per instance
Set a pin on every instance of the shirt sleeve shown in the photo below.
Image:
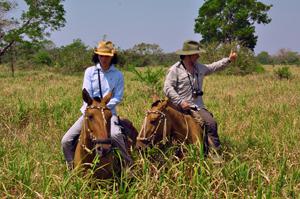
(217, 66)
(118, 92)
(87, 83)
(170, 85)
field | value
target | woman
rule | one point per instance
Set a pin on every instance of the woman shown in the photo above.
(98, 81)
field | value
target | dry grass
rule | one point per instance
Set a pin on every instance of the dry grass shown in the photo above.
(259, 126)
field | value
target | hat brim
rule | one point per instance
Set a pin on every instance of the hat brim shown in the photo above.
(104, 53)
(189, 52)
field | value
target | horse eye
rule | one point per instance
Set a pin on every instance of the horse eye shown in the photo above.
(90, 117)
(152, 122)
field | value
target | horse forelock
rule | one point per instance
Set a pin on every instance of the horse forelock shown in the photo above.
(98, 99)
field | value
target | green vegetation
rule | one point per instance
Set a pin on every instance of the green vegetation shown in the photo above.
(225, 21)
(283, 72)
(34, 24)
(77, 56)
(245, 64)
(283, 56)
(259, 125)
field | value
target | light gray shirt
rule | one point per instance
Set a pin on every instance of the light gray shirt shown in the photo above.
(179, 82)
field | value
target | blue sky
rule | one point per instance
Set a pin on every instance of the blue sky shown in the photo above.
(165, 22)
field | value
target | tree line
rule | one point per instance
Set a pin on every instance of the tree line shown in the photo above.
(77, 56)
(283, 57)
(223, 25)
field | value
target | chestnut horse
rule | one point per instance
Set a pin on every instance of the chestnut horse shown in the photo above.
(94, 149)
(164, 122)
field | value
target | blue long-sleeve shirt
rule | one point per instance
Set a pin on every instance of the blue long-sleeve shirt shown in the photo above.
(112, 80)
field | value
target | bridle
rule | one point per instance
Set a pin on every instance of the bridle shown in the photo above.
(162, 119)
(97, 143)
(150, 139)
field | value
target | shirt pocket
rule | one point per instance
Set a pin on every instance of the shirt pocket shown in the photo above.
(183, 81)
(95, 83)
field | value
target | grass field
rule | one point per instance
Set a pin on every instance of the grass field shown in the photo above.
(259, 126)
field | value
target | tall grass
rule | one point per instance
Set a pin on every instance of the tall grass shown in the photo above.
(259, 126)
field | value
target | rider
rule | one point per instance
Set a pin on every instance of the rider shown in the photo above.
(183, 86)
(99, 80)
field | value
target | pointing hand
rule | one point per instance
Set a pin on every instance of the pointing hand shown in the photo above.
(232, 56)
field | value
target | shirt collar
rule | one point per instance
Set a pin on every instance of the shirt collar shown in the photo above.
(111, 68)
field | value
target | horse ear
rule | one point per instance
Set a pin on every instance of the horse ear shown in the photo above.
(86, 97)
(106, 98)
(155, 98)
(164, 103)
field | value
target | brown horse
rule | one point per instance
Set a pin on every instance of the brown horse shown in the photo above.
(164, 122)
(94, 148)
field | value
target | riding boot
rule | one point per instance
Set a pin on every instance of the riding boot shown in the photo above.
(119, 142)
(70, 165)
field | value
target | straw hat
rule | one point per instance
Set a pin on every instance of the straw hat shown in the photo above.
(105, 48)
(190, 47)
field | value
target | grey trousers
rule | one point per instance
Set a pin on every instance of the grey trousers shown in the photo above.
(206, 121)
(69, 140)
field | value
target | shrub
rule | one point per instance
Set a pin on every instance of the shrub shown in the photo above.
(264, 58)
(42, 57)
(245, 63)
(150, 77)
(283, 72)
(73, 57)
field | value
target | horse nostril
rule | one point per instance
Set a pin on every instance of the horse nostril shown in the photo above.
(99, 150)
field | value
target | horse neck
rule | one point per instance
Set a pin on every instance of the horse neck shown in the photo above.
(177, 123)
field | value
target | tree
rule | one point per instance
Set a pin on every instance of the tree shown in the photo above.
(286, 56)
(264, 58)
(230, 20)
(146, 49)
(73, 57)
(34, 24)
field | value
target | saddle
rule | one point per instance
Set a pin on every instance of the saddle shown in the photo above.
(128, 130)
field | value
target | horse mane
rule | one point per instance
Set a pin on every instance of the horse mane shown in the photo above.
(170, 104)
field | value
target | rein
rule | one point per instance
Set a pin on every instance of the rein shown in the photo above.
(93, 139)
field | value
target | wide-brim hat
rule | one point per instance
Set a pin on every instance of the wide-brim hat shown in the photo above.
(190, 47)
(105, 48)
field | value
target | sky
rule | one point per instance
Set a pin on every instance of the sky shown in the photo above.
(167, 23)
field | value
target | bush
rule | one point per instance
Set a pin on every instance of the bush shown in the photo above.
(151, 77)
(245, 63)
(283, 72)
(42, 57)
(264, 58)
(74, 57)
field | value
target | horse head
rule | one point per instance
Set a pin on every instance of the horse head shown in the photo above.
(96, 125)
(154, 128)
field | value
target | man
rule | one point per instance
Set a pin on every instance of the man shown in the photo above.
(183, 86)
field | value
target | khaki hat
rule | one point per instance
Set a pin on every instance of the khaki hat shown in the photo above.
(105, 48)
(190, 47)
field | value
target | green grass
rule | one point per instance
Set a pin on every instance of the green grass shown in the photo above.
(259, 126)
